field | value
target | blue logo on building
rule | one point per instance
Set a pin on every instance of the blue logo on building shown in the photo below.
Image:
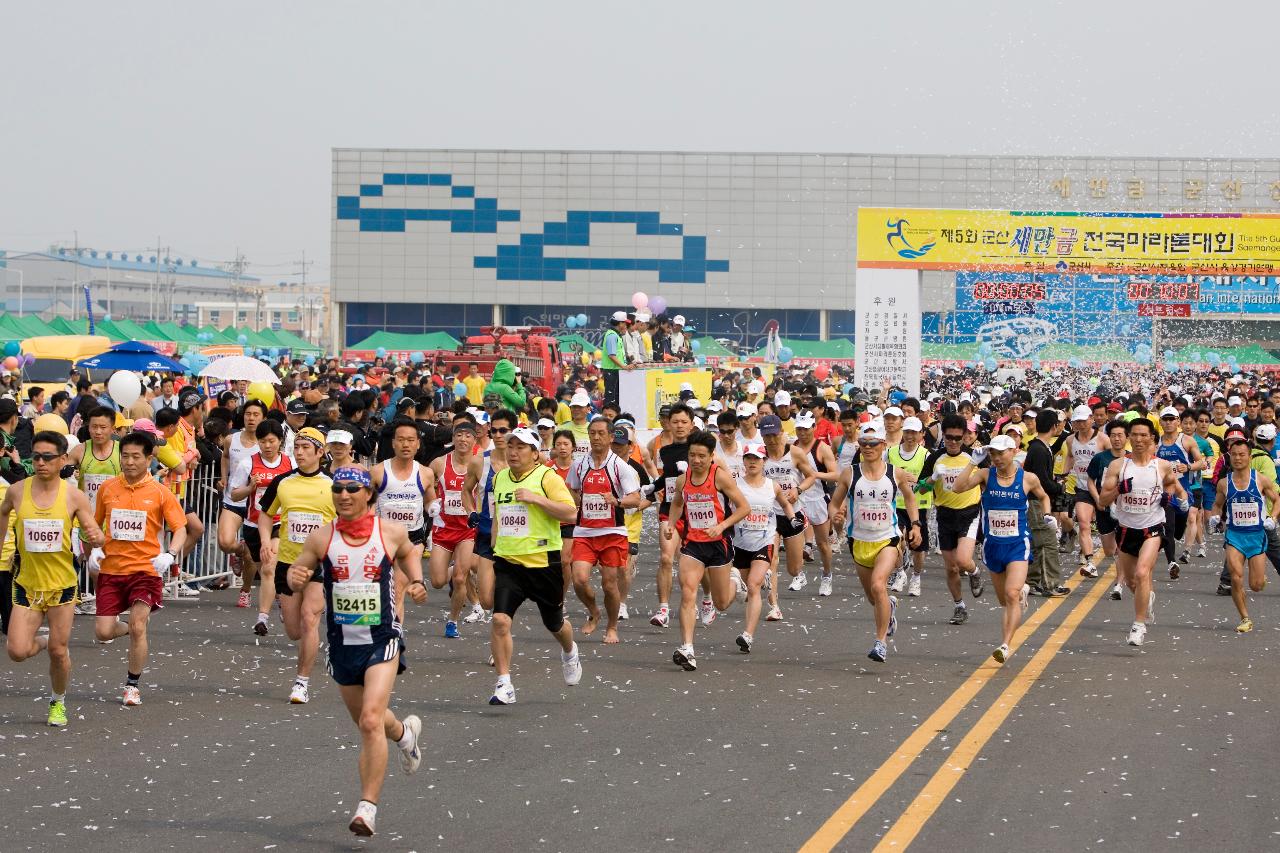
(906, 250)
(526, 260)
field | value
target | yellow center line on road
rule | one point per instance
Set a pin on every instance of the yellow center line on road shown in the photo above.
(917, 814)
(869, 792)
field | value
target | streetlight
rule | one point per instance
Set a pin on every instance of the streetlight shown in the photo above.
(20, 280)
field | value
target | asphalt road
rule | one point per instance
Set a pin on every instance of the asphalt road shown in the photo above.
(1108, 746)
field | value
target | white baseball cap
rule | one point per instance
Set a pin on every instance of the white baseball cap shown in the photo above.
(712, 420)
(1264, 432)
(756, 387)
(912, 424)
(546, 423)
(1081, 413)
(619, 316)
(1168, 412)
(874, 411)
(894, 411)
(686, 386)
(527, 436)
(642, 316)
(805, 420)
(1014, 425)
(872, 429)
(1235, 401)
(754, 448)
(339, 436)
(580, 398)
(678, 320)
(1002, 442)
(782, 398)
(698, 423)
(746, 410)
(715, 406)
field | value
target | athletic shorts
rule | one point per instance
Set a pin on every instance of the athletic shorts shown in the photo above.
(999, 553)
(42, 600)
(1196, 497)
(348, 664)
(710, 554)
(609, 550)
(815, 509)
(742, 559)
(786, 529)
(1063, 502)
(189, 506)
(118, 593)
(514, 584)
(252, 540)
(1106, 522)
(1130, 540)
(865, 553)
(633, 548)
(484, 546)
(419, 536)
(1250, 543)
(904, 523)
(957, 524)
(241, 511)
(282, 579)
(1082, 496)
(449, 538)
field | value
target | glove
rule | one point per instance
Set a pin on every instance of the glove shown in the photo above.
(433, 509)
(1215, 523)
(1182, 505)
(473, 520)
(923, 486)
(1268, 523)
(937, 475)
(163, 562)
(95, 559)
(682, 466)
(1126, 485)
(647, 491)
(979, 455)
(1050, 521)
(67, 472)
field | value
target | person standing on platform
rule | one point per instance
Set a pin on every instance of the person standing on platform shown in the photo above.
(615, 354)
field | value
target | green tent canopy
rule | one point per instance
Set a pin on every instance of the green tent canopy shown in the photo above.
(800, 350)
(393, 341)
(568, 342)
(711, 348)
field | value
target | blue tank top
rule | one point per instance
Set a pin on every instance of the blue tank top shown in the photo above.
(1004, 509)
(1245, 507)
(359, 590)
(1175, 453)
(485, 527)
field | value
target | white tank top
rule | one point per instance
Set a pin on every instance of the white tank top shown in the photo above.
(1081, 455)
(758, 528)
(401, 500)
(237, 453)
(873, 515)
(783, 472)
(732, 464)
(814, 492)
(1140, 507)
(848, 454)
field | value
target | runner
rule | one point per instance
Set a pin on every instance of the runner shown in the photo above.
(530, 503)
(728, 449)
(1138, 486)
(405, 492)
(302, 500)
(44, 585)
(788, 466)
(249, 481)
(579, 411)
(1183, 455)
(626, 448)
(362, 624)
(1201, 501)
(452, 540)
(672, 461)
(701, 499)
(96, 461)
(1117, 438)
(871, 487)
(240, 446)
(957, 514)
(501, 425)
(1006, 547)
(1081, 446)
(1248, 520)
(910, 456)
(754, 536)
(813, 500)
(131, 564)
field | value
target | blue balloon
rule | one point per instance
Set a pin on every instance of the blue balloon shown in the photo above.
(1144, 358)
(571, 322)
(1035, 364)
(990, 363)
(985, 348)
(1075, 362)
(242, 339)
(1168, 354)
(416, 358)
(248, 351)
(12, 348)
(1212, 357)
(785, 354)
(106, 318)
(274, 352)
(583, 320)
(309, 360)
(695, 345)
(380, 352)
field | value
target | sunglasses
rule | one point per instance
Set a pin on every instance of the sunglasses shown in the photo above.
(499, 430)
(349, 488)
(45, 457)
(728, 431)
(953, 437)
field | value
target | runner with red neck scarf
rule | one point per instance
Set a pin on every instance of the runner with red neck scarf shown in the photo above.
(452, 538)
(350, 563)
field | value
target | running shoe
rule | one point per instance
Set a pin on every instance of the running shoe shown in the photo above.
(1059, 591)
(234, 563)
(893, 616)
(1200, 550)
(878, 652)
(1174, 570)
(683, 658)
(798, 582)
(1001, 654)
(1025, 595)
(660, 617)
(768, 580)
(1117, 592)
(898, 581)
(185, 591)
(824, 585)
(571, 665)
(739, 585)
(503, 694)
(774, 615)
(1151, 607)
(363, 820)
(476, 615)
(808, 553)
(87, 607)
(1185, 556)
(131, 696)
(1224, 588)
(913, 586)
(707, 611)
(1137, 634)
(744, 643)
(260, 627)
(622, 612)
(451, 629)
(245, 599)
(1245, 626)
(1087, 568)
(300, 695)
(960, 615)
(57, 713)
(977, 583)
(410, 758)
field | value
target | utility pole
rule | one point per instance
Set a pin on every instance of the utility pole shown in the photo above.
(75, 283)
(160, 251)
(236, 268)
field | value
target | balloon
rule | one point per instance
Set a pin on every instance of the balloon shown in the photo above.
(50, 422)
(1168, 354)
(985, 348)
(639, 300)
(309, 360)
(416, 358)
(583, 319)
(1075, 362)
(785, 354)
(12, 348)
(598, 355)
(990, 364)
(263, 392)
(11, 363)
(1035, 364)
(274, 352)
(1211, 357)
(821, 372)
(586, 359)
(695, 345)
(380, 352)
(106, 318)
(242, 339)
(125, 388)
(571, 322)
(657, 305)
(28, 360)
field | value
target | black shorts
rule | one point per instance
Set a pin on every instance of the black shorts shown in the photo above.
(1130, 540)
(483, 546)
(1106, 522)
(786, 529)
(419, 536)
(710, 554)
(282, 578)
(957, 524)
(1196, 497)
(904, 524)
(566, 532)
(633, 548)
(252, 540)
(1063, 502)
(514, 584)
(742, 560)
(1083, 497)
(238, 510)
(347, 664)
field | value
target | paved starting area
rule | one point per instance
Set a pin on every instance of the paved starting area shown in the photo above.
(1078, 742)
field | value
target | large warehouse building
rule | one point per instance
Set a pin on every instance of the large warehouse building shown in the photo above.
(450, 240)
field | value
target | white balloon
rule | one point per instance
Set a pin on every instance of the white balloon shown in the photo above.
(125, 388)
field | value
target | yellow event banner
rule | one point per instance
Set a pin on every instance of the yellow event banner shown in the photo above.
(645, 390)
(1065, 242)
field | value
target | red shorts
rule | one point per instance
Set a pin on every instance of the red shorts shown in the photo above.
(608, 550)
(116, 594)
(450, 536)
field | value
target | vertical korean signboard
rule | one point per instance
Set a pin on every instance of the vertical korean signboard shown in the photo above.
(887, 340)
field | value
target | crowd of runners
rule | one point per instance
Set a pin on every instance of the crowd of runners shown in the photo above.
(339, 505)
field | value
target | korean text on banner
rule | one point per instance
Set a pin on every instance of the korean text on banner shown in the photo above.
(887, 340)
(643, 392)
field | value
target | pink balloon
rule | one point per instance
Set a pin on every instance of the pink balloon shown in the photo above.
(11, 363)
(639, 300)
(657, 305)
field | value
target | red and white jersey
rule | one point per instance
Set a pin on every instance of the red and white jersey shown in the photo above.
(453, 513)
(261, 474)
(704, 506)
(614, 477)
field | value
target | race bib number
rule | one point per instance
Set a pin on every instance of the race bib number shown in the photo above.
(950, 476)
(128, 525)
(1245, 514)
(874, 513)
(513, 520)
(405, 512)
(453, 502)
(301, 524)
(93, 482)
(596, 508)
(758, 520)
(1002, 523)
(787, 483)
(671, 489)
(701, 512)
(356, 604)
(42, 535)
(1137, 502)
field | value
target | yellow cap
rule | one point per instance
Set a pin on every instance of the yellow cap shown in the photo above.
(313, 435)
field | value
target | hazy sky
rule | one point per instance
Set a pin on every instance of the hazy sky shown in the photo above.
(209, 125)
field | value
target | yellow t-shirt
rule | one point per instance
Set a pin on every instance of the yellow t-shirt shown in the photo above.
(563, 414)
(10, 538)
(303, 502)
(950, 467)
(475, 389)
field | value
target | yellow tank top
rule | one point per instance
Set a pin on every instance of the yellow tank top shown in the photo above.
(44, 542)
(10, 539)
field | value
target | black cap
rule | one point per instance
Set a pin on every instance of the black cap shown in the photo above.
(189, 398)
(621, 436)
(297, 407)
(406, 403)
(665, 411)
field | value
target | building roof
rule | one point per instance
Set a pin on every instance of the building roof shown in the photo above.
(128, 263)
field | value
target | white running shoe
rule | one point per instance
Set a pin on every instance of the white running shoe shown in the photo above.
(739, 585)
(898, 582)
(744, 643)
(572, 666)
(1151, 608)
(503, 694)
(410, 758)
(363, 820)
(1001, 654)
(707, 611)
(301, 694)
(131, 696)
(683, 658)
(660, 617)
(1137, 634)
(1117, 592)
(774, 615)
(798, 582)
(913, 585)
(622, 612)
(1025, 595)
(1200, 550)
(824, 585)
(476, 615)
